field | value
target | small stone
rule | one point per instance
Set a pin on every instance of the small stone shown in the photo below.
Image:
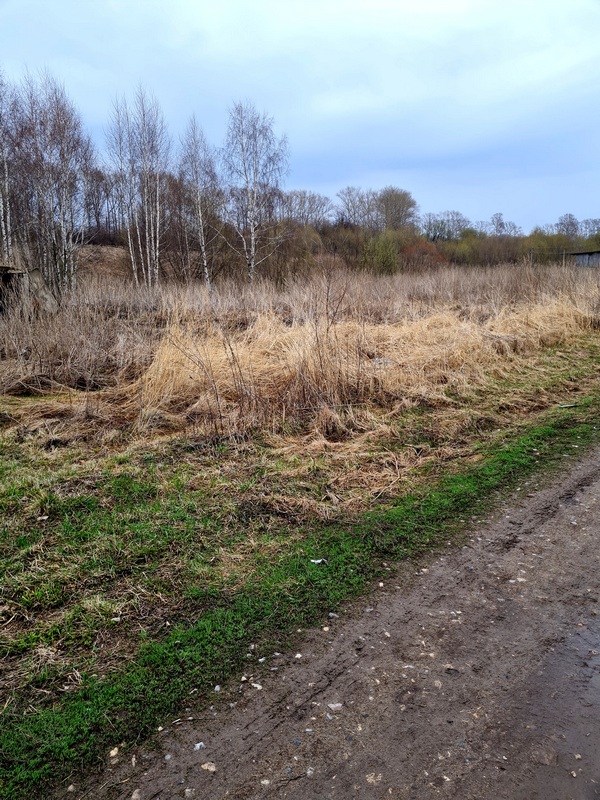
(137, 795)
(577, 756)
(332, 615)
(310, 772)
(189, 793)
(334, 706)
(168, 757)
(209, 766)
(114, 752)
(296, 742)
(71, 788)
(574, 774)
(298, 655)
(257, 686)
(265, 782)
(199, 746)
(217, 688)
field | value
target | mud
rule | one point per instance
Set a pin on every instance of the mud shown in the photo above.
(475, 675)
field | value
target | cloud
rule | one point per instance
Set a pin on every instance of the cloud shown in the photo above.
(387, 90)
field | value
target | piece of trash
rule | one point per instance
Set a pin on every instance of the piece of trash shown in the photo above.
(257, 686)
(334, 706)
(42, 519)
(168, 757)
(217, 688)
(199, 746)
(209, 766)
(71, 788)
(114, 752)
(298, 655)
(265, 782)
(262, 660)
(310, 772)
(332, 615)
(296, 742)
(318, 561)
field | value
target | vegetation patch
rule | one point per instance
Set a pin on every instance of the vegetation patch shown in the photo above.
(247, 473)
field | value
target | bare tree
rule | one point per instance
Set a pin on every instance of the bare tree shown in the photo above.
(254, 162)
(198, 170)
(138, 145)
(6, 239)
(396, 208)
(306, 208)
(358, 207)
(568, 225)
(52, 158)
(447, 226)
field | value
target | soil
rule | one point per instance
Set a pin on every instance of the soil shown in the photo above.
(474, 675)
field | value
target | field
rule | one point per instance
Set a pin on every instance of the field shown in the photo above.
(186, 475)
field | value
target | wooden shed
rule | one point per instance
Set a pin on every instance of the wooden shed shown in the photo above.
(15, 281)
(591, 258)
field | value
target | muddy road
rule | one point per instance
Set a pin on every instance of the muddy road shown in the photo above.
(474, 675)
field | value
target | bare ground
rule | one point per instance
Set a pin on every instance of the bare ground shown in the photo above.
(475, 675)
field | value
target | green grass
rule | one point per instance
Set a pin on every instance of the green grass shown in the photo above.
(279, 594)
(130, 579)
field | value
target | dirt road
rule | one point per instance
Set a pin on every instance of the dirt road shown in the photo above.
(476, 675)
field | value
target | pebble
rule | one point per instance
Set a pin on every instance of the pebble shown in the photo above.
(209, 766)
(334, 706)
(137, 795)
(200, 746)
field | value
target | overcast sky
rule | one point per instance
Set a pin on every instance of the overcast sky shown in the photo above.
(474, 105)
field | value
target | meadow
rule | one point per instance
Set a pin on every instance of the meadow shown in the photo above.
(186, 473)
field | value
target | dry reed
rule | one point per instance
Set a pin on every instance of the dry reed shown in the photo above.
(308, 354)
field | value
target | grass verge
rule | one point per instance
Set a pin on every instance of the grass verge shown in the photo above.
(73, 734)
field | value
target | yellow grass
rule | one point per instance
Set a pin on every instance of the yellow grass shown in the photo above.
(273, 373)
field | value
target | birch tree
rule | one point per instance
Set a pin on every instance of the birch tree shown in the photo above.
(254, 162)
(138, 145)
(6, 242)
(52, 159)
(198, 170)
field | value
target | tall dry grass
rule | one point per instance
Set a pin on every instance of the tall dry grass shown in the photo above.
(243, 357)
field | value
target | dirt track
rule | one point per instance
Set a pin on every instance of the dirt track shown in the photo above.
(477, 677)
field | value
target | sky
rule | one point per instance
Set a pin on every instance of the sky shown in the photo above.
(479, 106)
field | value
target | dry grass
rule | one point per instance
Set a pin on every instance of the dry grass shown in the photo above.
(325, 354)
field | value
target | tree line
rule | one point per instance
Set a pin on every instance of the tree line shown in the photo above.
(194, 211)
